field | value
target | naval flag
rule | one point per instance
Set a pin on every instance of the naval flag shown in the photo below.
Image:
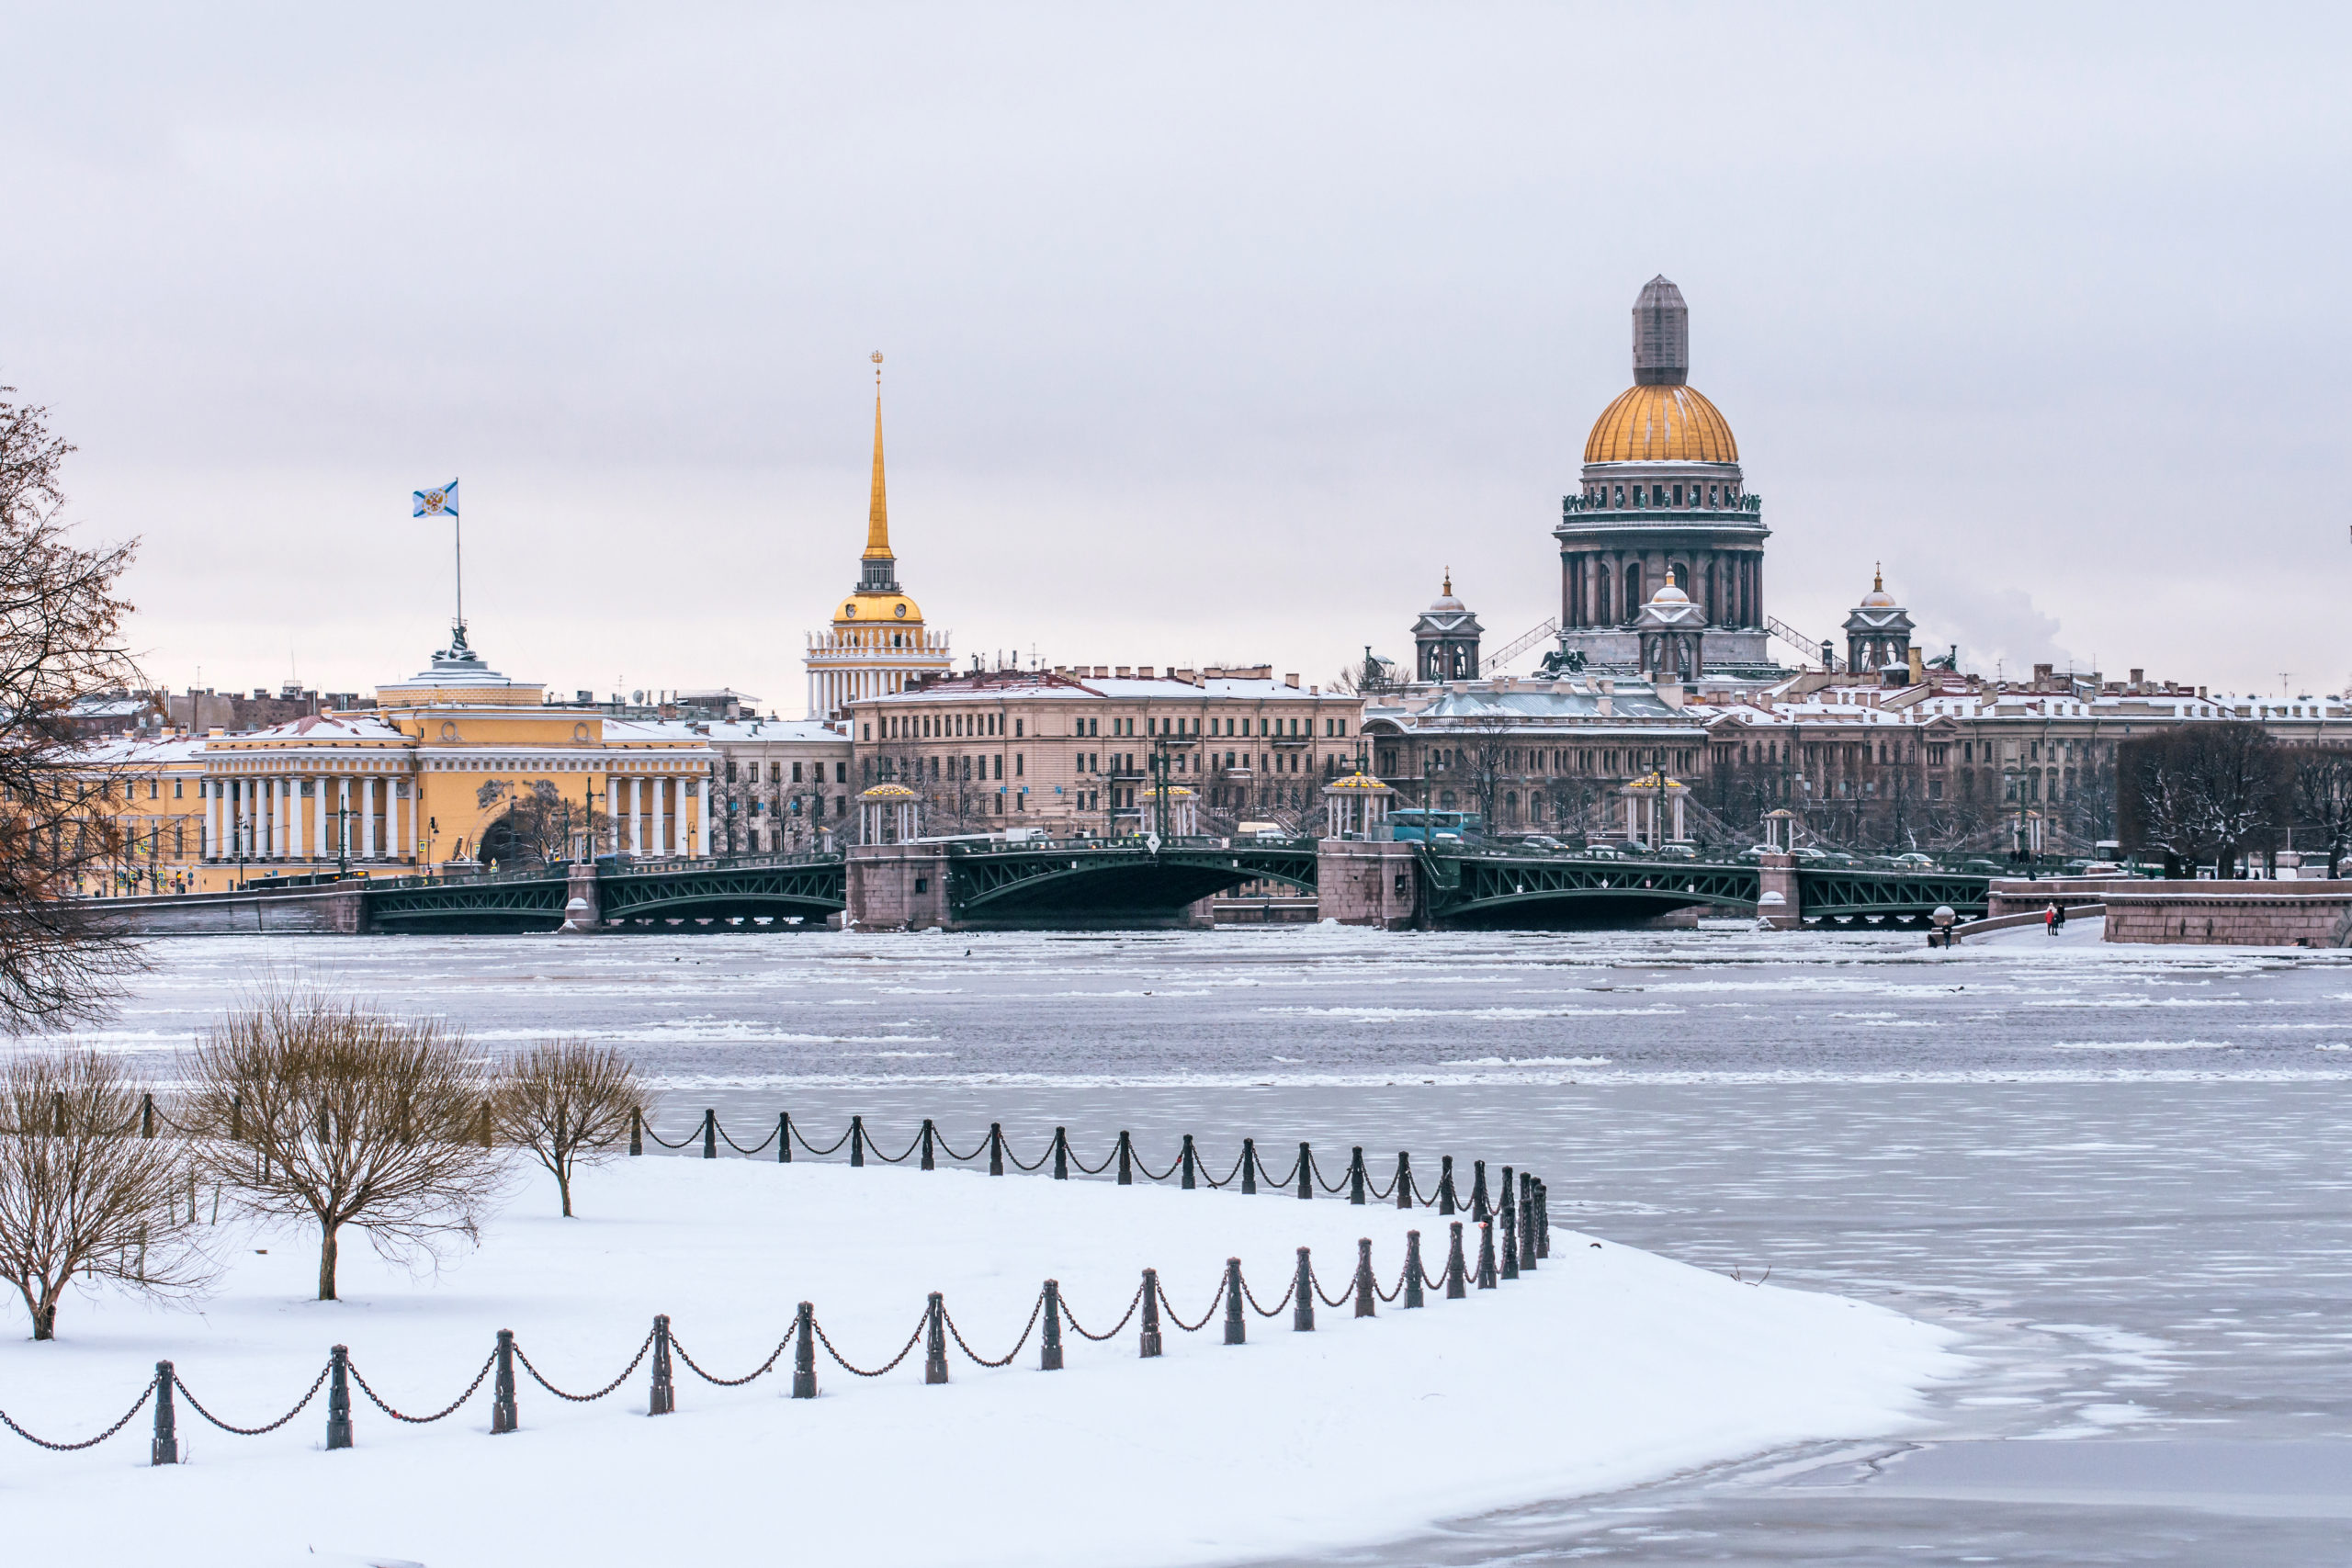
(439, 501)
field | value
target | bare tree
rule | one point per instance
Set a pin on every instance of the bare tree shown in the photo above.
(81, 1194)
(2323, 800)
(541, 825)
(350, 1117)
(2207, 791)
(568, 1102)
(61, 638)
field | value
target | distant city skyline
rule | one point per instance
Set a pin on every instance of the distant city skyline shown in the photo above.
(1207, 342)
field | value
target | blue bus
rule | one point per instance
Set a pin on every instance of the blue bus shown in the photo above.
(1416, 826)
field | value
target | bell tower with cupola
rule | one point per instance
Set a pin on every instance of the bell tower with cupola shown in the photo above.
(1662, 501)
(1445, 639)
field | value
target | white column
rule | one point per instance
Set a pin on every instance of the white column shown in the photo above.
(366, 818)
(211, 818)
(636, 816)
(285, 818)
(396, 816)
(319, 817)
(702, 821)
(661, 818)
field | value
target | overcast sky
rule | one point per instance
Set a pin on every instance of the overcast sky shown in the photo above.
(1214, 333)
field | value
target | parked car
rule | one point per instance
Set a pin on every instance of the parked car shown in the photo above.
(1677, 852)
(1915, 861)
(1544, 842)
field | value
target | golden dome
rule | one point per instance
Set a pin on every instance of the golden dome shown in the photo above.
(878, 609)
(1661, 425)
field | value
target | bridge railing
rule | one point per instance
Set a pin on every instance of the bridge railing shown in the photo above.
(627, 865)
(1123, 842)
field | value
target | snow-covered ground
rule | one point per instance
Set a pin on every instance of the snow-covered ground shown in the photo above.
(1607, 1367)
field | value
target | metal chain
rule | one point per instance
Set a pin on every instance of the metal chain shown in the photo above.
(1192, 1327)
(1152, 1175)
(1281, 1186)
(813, 1149)
(253, 1431)
(912, 1341)
(665, 1143)
(912, 1144)
(739, 1148)
(1095, 1169)
(1228, 1175)
(584, 1398)
(1316, 1285)
(949, 1149)
(449, 1409)
(1038, 1163)
(87, 1442)
(1133, 1301)
(761, 1371)
(1390, 1295)
(1006, 1359)
(1316, 1168)
(1275, 1311)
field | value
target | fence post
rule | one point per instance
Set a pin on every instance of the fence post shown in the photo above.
(1248, 1168)
(502, 1389)
(1480, 1208)
(1302, 1312)
(1306, 1172)
(1526, 1223)
(1366, 1296)
(485, 1123)
(339, 1397)
(856, 1140)
(1413, 1269)
(709, 1133)
(1061, 1153)
(1454, 1268)
(1507, 1212)
(784, 1137)
(1403, 1180)
(935, 1348)
(804, 1353)
(236, 1117)
(1188, 1160)
(1445, 1203)
(1485, 1255)
(1150, 1313)
(1049, 1358)
(996, 1148)
(1126, 1159)
(665, 1392)
(928, 1135)
(166, 1447)
(1542, 1221)
(1355, 1176)
(635, 1130)
(147, 1115)
(1237, 1328)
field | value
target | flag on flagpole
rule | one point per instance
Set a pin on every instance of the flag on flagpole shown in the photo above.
(439, 501)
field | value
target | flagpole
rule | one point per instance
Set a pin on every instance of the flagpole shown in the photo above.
(459, 523)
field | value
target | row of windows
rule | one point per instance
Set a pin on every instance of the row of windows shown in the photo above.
(775, 772)
(1716, 496)
(930, 727)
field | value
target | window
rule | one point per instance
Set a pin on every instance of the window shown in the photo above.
(796, 772)
(176, 787)
(1017, 768)
(1016, 729)
(840, 773)
(1677, 495)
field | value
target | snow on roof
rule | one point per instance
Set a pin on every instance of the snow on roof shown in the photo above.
(322, 727)
(996, 686)
(745, 732)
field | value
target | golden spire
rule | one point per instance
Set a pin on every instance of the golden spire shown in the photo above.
(1449, 582)
(877, 512)
(1878, 569)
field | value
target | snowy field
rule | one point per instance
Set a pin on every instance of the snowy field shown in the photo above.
(1606, 1368)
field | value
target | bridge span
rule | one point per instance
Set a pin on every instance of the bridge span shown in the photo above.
(1122, 884)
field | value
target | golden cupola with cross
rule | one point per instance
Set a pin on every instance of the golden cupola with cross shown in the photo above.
(878, 643)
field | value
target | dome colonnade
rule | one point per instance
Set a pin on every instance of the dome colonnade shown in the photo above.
(1663, 500)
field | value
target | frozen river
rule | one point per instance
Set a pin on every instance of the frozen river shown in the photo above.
(2123, 1172)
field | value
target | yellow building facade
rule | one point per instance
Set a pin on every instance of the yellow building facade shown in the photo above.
(427, 780)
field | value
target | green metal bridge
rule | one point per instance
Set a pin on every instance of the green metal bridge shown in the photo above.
(1093, 882)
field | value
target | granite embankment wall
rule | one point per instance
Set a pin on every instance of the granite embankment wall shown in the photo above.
(2239, 914)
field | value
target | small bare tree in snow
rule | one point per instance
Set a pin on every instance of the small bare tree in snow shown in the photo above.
(348, 1117)
(569, 1103)
(81, 1194)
